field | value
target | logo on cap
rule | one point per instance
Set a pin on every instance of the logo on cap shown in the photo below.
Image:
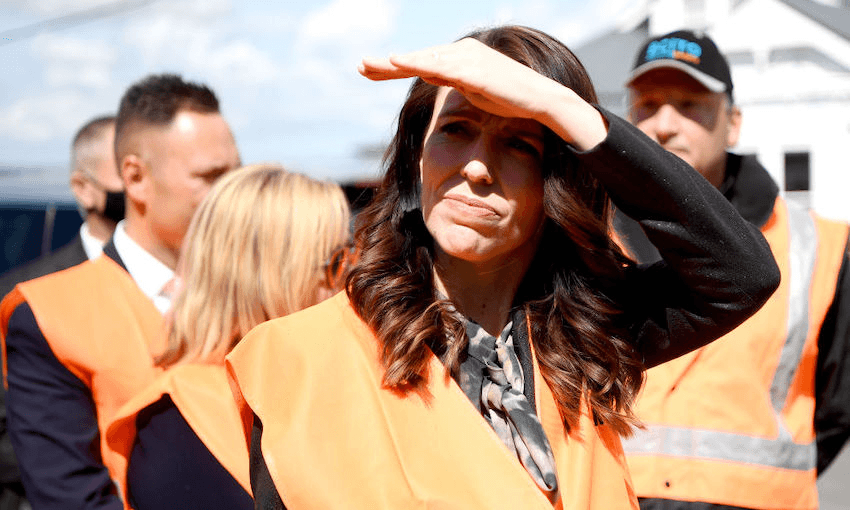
(674, 48)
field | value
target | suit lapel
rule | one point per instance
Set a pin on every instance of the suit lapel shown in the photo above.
(110, 251)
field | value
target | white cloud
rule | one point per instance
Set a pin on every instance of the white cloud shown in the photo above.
(52, 7)
(63, 7)
(532, 10)
(329, 44)
(164, 38)
(72, 61)
(348, 23)
(269, 22)
(241, 62)
(35, 119)
(198, 9)
(192, 37)
(592, 18)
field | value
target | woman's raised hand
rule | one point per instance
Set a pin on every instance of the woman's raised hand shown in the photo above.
(496, 84)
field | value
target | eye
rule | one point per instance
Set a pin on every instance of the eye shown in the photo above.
(688, 105)
(643, 109)
(696, 110)
(650, 105)
(524, 146)
(454, 128)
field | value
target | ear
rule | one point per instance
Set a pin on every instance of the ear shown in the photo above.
(83, 190)
(734, 126)
(136, 176)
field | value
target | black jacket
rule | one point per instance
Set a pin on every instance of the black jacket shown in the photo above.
(71, 254)
(67, 256)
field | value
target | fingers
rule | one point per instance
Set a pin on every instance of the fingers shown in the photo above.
(427, 64)
(430, 59)
(379, 69)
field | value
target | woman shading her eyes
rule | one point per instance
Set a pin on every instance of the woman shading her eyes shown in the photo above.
(492, 336)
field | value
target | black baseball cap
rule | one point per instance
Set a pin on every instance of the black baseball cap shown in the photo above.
(696, 55)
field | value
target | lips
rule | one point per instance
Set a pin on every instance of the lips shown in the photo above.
(471, 205)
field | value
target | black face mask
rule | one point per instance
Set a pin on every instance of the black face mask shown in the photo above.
(114, 208)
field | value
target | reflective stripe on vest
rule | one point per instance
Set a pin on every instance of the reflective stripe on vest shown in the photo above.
(781, 452)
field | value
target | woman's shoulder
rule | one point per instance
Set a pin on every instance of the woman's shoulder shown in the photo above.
(300, 351)
(323, 328)
(331, 314)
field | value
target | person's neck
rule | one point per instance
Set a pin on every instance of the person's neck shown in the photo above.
(99, 227)
(484, 294)
(141, 233)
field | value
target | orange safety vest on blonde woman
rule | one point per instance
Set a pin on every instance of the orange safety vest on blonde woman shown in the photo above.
(203, 396)
(733, 423)
(334, 438)
(106, 336)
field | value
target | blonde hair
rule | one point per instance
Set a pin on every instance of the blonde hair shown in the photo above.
(255, 250)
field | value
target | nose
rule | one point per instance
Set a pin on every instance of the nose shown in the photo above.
(666, 121)
(478, 166)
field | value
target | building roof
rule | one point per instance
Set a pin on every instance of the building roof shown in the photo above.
(836, 19)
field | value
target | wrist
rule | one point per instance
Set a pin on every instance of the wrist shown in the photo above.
(573, 119)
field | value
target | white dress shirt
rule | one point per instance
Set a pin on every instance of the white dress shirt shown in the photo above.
(149, 273)
(91, 245)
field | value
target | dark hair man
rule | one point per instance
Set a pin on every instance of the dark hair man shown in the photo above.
(749, 420)
(80, 342)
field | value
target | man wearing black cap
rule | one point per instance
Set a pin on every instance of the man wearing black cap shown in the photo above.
(751, 419)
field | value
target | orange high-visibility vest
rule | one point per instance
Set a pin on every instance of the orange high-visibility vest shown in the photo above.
(334, 438)
(203, 396)
(733, 423)
(101, 327)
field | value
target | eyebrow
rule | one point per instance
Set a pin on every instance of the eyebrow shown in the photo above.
(536, 135)
(215, 170)
(464, 109)
(468, 111)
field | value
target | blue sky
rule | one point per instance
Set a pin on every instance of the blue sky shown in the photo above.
(285, 71)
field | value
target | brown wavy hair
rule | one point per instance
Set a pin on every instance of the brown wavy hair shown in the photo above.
(576, 324)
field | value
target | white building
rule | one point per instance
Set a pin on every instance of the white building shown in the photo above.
(790, 63)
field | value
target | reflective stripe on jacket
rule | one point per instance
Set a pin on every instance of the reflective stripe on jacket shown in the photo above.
(203, 396)
(101, 327)
(334, 438)
(732, 423)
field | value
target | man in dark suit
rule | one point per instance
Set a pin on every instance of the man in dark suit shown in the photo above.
(98, 190)
(99, 193)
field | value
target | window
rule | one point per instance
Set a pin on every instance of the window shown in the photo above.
(796, 171)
